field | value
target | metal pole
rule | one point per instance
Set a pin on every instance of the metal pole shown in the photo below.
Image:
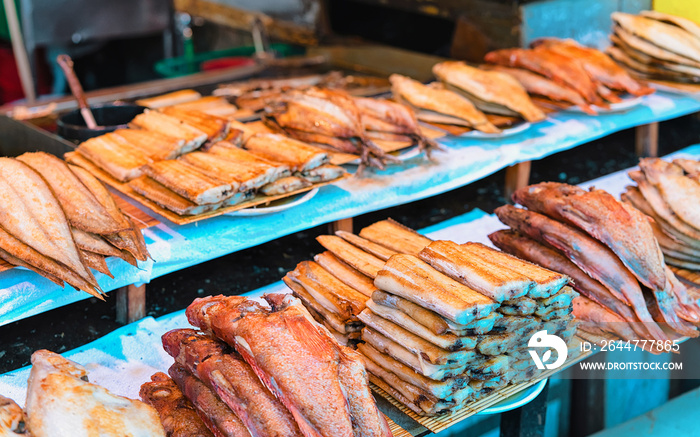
(21, 58)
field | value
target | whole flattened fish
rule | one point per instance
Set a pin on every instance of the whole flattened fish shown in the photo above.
(60, 402)
(604, 319)
(489, 86)
(30, 212)
(598, 65)
(667, 36)
(298, 361)
(623, 229)
(528, 249)
(130, 239)
(541, 86)
(233, 380)
(81, 207)
(318, 114)
(588, 254)
(552, 65)
(395, 118)
(680, 192)
(440, 101)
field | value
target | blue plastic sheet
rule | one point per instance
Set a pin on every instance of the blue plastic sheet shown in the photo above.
(465, 160)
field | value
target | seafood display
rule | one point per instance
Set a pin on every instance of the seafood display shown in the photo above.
(669, 193)
(60, 221)
(190, 162)
(655, 45)
(491, 91)
(610, 250)
(439, 324)
(565, 71)
(61, 402)
(259, 371)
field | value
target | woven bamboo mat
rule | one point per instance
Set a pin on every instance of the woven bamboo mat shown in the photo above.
(396, 430)
(442, 422)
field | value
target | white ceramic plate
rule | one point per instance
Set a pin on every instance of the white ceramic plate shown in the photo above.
(520, 127)
(614, 107)
(275, 206)
(402, 155)
(517, 400)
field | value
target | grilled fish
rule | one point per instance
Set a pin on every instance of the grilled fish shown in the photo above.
(12, 419)
(362, 261)
(30, 212)
(298, 156)
(130, 240)
(491, 91)
(414, 280)
(498, 284)
(232, 379)
(526, 248)
(632, 44)
(382, 115)
(667, 36)
(555, 66)
(598, 65)
(80, 205)
(177, 414)
(541, 86)
(155, 145)
(60, 402)
(215, 127)
(439, 105)
(395, 236)
(588, 254)
(348, 275)
(325, 113)
(289, 352)
(221, 421)
(675, 188)
(602, 318)
(623, 229)
(285, 185)
(171, 126)
(190, 182)
(113, 155)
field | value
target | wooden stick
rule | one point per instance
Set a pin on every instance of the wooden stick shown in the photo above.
(647, 140)
(131, 303)
(20, 52)
(517, 176)
(341, 225)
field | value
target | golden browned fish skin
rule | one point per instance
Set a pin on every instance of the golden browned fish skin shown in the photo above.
(667, 36)
(489, 86)
(440, 101)
(177, 414)
(81, 207)
(552, 65)
(288, 352)
(598, 65)
(30, 212)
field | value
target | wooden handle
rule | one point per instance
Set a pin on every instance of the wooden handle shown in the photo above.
(66, 64)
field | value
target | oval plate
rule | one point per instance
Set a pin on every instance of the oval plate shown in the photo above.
(402, 155)
(520, 127)
(275, 206)
(517, 400)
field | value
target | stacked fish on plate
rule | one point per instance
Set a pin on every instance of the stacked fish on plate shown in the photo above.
(254, 370)
(565, 71)
(439, 323)
(59, 221)
(609, 250)
(669, 192)
(655, 45)
(190, 162)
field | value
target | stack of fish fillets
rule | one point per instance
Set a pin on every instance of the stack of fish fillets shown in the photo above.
(225, 174)
(669, 192)
(444, 324)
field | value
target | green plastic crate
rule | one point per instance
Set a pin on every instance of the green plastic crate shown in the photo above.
(183, 65)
